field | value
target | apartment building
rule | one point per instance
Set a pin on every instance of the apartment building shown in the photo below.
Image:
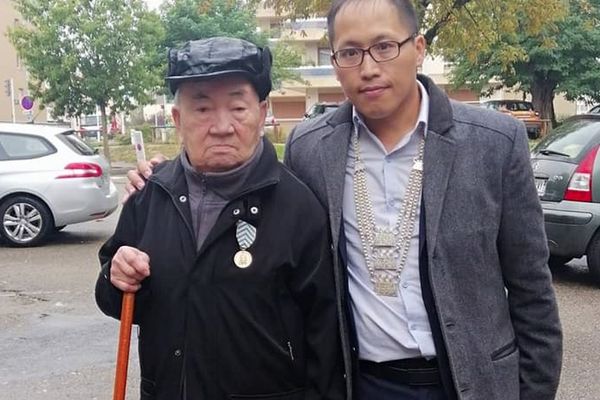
(13, 71)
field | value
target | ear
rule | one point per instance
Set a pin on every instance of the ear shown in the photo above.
(263, 107)
(176, 114)
(420, 47)
(335, 69)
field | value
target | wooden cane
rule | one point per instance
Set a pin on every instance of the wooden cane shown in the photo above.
(124, 343)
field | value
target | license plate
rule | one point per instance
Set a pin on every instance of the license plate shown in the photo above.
(540, 185)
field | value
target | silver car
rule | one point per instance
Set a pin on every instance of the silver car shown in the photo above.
(49, 178)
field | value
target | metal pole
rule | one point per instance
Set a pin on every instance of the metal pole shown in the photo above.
(12, 99)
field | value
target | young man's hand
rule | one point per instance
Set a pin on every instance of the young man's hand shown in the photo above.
(137, 177)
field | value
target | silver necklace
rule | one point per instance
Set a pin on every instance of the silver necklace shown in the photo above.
(386, 249)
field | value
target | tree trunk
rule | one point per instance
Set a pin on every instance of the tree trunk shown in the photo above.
(105, 132)
(542, 97)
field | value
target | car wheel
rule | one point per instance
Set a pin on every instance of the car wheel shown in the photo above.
(558, 261)
(593, 257)
(25, 221)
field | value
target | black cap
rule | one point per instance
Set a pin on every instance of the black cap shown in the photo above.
(220, 56)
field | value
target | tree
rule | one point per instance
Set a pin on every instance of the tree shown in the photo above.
(197, 19)
(83, 54)
(468, 24)
(564, 57)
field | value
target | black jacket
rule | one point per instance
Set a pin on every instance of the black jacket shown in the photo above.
(210, 330)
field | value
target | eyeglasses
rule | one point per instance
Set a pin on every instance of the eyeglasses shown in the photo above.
(380, 52)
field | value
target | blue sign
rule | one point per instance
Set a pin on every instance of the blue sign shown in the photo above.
(27, 103)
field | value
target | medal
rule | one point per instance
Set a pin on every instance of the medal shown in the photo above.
(242, 259)
(245, 235)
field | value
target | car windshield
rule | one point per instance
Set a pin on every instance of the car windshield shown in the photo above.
(511, 105)
(77, 145)
(571, 138)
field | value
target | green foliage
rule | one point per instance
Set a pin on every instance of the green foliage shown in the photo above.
(563, 57)
(86, 53)
(197, 19)
(284, 58)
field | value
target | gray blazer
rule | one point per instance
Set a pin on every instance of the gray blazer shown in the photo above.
(485, 245)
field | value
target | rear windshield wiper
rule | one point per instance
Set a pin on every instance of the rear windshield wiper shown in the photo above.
(548, 152)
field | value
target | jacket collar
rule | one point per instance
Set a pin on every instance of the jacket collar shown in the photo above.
(170, 175)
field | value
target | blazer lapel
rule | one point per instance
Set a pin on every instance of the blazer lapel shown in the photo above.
(437, 164)
(334, 150)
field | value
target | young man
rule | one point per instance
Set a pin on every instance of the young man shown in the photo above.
(435, 221)
(227, 252)
(439, 246)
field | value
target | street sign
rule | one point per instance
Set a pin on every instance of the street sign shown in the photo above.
(27, 103)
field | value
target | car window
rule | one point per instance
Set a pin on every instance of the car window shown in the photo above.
(74, 143)
(571, 138)
(520, 106)
(18, 147)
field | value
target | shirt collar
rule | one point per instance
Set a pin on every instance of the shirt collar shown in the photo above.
(422, 119)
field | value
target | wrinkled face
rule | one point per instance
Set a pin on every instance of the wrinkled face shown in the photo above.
(377, 90)
(219, 122)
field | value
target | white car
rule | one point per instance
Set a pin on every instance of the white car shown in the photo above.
(49, 178)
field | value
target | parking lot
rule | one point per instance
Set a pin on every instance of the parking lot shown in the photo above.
(55, 344)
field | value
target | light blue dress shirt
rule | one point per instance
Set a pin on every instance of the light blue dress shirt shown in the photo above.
(388, 328)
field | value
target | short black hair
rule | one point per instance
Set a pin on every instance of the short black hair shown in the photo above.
(405, 8)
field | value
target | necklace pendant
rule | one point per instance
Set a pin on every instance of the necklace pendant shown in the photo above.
(386, 288)
(418, 165)
(384, 239)
(382, 263)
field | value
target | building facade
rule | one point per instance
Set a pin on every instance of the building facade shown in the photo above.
(13, 74)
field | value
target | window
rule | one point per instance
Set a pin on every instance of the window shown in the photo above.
(74, 143)
(324, 56)
(18, 147)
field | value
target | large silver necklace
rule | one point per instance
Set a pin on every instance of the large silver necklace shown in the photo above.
(386, 249)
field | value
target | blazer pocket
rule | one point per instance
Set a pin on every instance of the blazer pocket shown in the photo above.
(505, 364)
(147, 389)
(296, 394)
(504, 351)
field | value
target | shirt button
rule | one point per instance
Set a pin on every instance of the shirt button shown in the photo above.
(177, 353)
(404, 285)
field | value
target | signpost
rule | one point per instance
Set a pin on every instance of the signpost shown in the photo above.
(27, 105)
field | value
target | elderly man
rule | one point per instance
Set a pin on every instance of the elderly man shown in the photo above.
(226, 251)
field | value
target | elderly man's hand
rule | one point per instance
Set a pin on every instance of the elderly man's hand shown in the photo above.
(129, 268)
(137, 177)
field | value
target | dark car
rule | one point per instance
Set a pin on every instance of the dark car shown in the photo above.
(566, 167)
(320, 108)
(595, 110)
